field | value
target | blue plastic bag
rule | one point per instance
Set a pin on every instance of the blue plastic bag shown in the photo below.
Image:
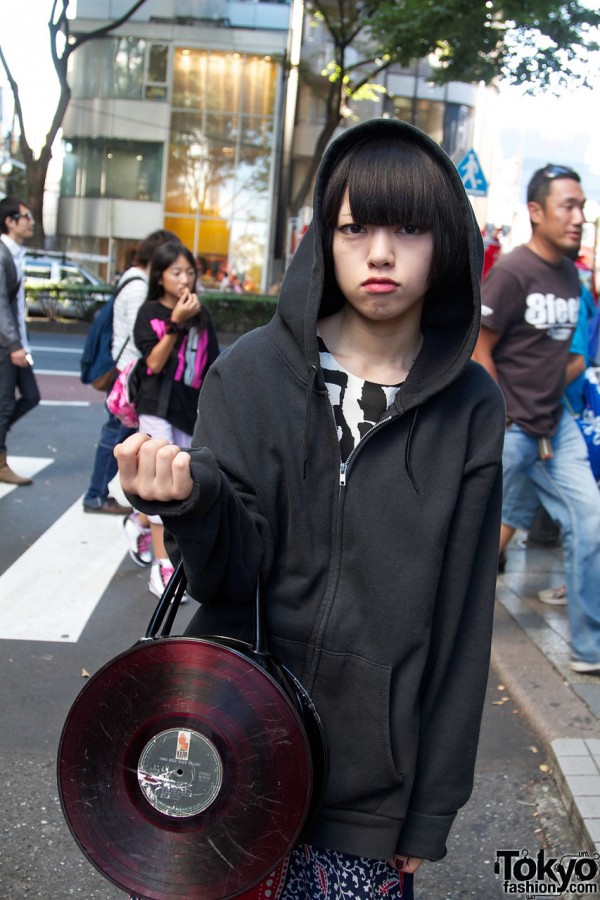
(589, 420)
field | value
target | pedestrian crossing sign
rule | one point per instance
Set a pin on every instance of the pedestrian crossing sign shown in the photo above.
(472, 175)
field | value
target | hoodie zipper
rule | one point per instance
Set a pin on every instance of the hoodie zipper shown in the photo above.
(344, 465)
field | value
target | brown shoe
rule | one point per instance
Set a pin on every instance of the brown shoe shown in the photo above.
(110, 506)
(7, 475)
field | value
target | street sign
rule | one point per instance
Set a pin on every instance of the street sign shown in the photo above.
(472, 175)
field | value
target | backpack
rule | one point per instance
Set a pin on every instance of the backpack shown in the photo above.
(124, 392)
(98, 367)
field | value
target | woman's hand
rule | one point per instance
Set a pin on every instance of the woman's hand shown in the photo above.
(186, 307)
(406, 864)
(154, 469)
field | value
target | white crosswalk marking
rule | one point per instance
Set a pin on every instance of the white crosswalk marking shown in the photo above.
(37, 599)
(28, 466)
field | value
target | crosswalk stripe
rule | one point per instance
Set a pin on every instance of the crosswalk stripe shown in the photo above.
(63, 373)
(37, 599)
(28, 466)
(45, 349)
(65, 403)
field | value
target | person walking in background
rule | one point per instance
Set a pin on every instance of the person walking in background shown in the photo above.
(132, 289)
(348, 457)
(16, 365)
(174, 334)
(530, 307)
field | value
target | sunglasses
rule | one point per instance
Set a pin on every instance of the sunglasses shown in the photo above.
(551, 172)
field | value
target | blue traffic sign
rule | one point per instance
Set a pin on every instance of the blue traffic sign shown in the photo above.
(472, 175)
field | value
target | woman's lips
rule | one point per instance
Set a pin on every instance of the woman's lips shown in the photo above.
(379, 287)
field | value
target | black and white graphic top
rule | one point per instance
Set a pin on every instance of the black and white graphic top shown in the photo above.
(357, 404)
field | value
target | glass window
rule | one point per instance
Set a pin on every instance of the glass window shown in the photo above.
(259, 86)
(220, 157)
(114, 67)
(156, 78)
(458, 122)
(111, 67)
(124, 170)
(157, 63)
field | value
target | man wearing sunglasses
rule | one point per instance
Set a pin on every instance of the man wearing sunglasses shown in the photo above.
(18, 388)
(530, 305)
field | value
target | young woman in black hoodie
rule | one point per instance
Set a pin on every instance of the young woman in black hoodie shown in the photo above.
(350, 452)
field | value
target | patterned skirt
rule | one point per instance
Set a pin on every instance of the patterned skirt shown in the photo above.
(314, 873)
(311, 873)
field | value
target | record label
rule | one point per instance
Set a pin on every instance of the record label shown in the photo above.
(180, 772)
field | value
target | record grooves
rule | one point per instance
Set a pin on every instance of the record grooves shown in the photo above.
(184, 771)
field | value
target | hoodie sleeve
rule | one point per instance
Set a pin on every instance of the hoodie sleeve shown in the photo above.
(219, 531)
(458, 661)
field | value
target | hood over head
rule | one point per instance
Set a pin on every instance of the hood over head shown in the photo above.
(451, 313)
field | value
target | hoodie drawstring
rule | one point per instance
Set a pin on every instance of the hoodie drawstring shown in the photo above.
(309, 389)
(407, 450)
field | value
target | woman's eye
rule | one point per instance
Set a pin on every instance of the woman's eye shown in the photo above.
(351, 228)
(411, 229)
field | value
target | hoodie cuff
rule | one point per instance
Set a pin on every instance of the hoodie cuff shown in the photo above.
(425, 836)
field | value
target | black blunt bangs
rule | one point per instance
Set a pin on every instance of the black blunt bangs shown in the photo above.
(396, 182)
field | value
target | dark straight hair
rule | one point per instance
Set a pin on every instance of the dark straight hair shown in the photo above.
(163, 257)
(10, 209)
(541, 182)
(146, 248)
(392, 181)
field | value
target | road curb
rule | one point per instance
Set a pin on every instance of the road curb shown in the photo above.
(559, 717)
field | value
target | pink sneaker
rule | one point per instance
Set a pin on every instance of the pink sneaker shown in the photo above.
(160, 574)
(139, 540)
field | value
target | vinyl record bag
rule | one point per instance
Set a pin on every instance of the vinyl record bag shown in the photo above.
(190, 767)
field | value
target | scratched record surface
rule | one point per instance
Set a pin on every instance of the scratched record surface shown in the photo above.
(184, 771)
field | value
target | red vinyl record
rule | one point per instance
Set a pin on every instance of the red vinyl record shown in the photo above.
(184, 771)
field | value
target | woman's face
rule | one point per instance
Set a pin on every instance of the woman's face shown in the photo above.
(383, 271)
(179, 276)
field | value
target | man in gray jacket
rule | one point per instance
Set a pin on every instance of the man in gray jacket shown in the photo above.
(16, 368)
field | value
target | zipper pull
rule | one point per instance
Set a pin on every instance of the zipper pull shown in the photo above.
(343, 468)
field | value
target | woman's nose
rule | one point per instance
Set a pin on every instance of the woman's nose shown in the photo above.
(381, 248)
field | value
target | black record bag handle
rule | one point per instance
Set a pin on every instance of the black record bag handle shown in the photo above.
(167, 607)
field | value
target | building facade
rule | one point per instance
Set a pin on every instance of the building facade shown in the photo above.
(174, 123)
(187, 117)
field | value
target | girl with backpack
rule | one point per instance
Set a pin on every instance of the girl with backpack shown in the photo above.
(174, 334)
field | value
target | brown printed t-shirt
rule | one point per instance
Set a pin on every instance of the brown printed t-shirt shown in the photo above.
(534, 306)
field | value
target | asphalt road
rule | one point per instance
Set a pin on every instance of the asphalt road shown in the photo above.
(57, 627)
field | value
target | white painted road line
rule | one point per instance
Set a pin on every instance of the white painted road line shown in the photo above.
(50, 592)
(42, 349)
(65, 403)
(62, 372)
(28, 466)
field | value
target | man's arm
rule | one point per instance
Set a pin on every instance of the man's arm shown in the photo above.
(575, 367)
(484, 349)
(10, 338)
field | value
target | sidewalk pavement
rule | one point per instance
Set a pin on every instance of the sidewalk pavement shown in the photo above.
(530, 654)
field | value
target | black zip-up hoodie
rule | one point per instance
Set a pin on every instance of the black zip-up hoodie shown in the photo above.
(378, 577)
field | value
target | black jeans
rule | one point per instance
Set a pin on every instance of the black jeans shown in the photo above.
(15, 380)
